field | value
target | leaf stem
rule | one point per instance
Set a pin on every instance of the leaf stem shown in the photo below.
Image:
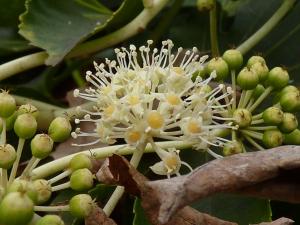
(58, 208)
(61, 186)
(60, 176)
(233, 82)
(16, 163)
(254, 143)
(213, 30)
(267, 27)
(261, 98)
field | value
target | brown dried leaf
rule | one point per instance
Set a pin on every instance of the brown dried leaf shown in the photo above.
(98, 217)
(281, 221)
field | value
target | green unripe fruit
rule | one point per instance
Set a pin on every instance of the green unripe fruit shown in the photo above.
(8, 156)
(233, 58)
(292, 138)
(41, 146)
(272, 116)
(259, 89)
(205, 5)
(50, 220)
(255, 59)
(290, 101)
(289, 88)
(221, 132)
(261, 70)
(232, 148)
(278, 78)
(60, 129)
(81, 205)
(7, 105)
(43, 189)
(80, 161)
(10, 121)
(242, 117)
(28, 108)
(81, 180)
(220, 66)
(200, 73)
(272, 138)
(247, 79)
(16, 209)
(24, 186)
(289, 123)
(25, 126)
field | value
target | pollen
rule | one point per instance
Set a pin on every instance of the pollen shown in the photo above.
(155, 119)
(108, 111)
(172, 163)
(178, 70)
(193, 127)
(173, 99)
(133, 100)
(133, 136)
(105, 90)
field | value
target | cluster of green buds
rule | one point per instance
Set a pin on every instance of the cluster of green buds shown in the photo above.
(253, 84)
(23, 195)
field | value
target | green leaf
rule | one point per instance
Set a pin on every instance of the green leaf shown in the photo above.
(235, 208)
(58, 26)
(139, 214)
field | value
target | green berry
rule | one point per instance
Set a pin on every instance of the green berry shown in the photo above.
(16, 209)
(232, 148)
(41, 146)
(43, 189)
(24, 186)
(80, 161)
(258, 91)
(25, 126)
(242, 117)
(220, 66)
(290, 101)
(255, 59)
(28, 108)
(292, 138)
(278, 78)
(8, 156)
(50, 220)
(81, 205)
(289, 123)
(7, 104)
(60, 129)
(81, 180)
(261, 70)
(221, 132)
(289, 88)
(247, 79)
(272, 116)
(233, 58)
(272, 138)
(205, 5)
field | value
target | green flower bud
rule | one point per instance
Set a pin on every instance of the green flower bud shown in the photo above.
(80, 161)
(41, 145)
(16, 209)
(43, 189)
(232, 148)
(261, 70)
(220, 66)
(272, 116)
(247, 79)
(278, 78)
(205, 5)
(289, 123)
(259, 89)
(60, 129)
(10, 121)
(7, 104)
(25, 126)
(289, 88)
(28, 108)
(8, 156)
(24, 186)
(221, 132)
(290, 101)
(255, 59)
(81, 205)
(50, 220)
(272, 138)
(81, 180)
(233, 58)
(292, 138)
(242, 117)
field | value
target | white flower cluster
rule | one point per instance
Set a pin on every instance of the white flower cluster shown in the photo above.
(154, 99)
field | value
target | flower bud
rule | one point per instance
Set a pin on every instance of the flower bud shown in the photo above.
(247, 79)
(289, 123)
(272, 138)
(220, 66)
(16, 209)
(232, 148)
(24, 186)
(290, 101)
(272, 116)
(28, 108)
(292, 138)
(8, 156)
(7, 104)
(259, 89)
(60, 129)
(43, 189)
(289, 88)
(10, 121)
(50, 220)
(261, 70)
(255, 59)
(81, 180)
(205, 5)
(242, 117)
(278, 78)
(41, 146)
(80, 161)
(81, 205)
(233, 58)
(25, 126)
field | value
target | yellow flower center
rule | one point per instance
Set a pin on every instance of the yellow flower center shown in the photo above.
(108, 111)
(173, 99)
(106, 90)
(155, 120)
(171, 162)
(133, 100)
(133, 136)
(178, 70)
(193, 127)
